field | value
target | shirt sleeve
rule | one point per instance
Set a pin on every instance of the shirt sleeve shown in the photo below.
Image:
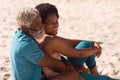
(32, 52)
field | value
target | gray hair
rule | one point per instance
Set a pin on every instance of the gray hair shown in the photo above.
(25, 16)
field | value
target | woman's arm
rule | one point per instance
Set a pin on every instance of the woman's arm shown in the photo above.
(72, 42)
(58, 45)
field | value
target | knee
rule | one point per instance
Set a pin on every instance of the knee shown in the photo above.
(87, 43)
(84, 44)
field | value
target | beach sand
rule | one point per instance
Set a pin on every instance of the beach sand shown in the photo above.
(97, 20)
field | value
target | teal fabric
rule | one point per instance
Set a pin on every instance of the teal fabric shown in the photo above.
(24, 55)
(90, 60)
(96, 77)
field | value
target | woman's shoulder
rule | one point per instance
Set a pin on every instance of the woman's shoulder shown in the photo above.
(50, 40)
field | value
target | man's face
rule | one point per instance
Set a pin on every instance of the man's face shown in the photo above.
(51, 24)
(36, 28)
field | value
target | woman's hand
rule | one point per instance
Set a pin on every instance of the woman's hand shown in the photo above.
(99, 49)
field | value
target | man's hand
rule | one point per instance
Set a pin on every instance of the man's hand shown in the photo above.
(55, 65)
(69, 66)
(81, 69)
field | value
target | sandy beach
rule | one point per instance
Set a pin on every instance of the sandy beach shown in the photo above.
(97, 20)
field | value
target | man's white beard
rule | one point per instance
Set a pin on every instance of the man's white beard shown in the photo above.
(39, 35)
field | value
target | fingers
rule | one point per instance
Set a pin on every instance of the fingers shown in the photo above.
(98, 54)
(99, 42)
(97, 45)
(99, 49)
(69, 66)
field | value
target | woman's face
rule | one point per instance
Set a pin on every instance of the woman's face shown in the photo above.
(51, 24)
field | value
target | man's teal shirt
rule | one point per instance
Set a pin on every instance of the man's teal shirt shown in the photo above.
(24, 55)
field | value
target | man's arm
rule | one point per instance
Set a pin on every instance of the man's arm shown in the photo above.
(55, 65)
(68, 75)
(69, 66)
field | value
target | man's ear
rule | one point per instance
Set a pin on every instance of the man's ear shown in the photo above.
(25, 29)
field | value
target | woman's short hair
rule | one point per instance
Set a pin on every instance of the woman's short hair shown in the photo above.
(25, 16)
(46, 9)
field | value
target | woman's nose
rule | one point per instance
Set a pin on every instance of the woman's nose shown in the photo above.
(56, 25)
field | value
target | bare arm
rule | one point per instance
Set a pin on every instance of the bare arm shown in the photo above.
(99, 49)
(58, 66)
(58, 45)
(68, 75)
(55, 65)
(74, 42)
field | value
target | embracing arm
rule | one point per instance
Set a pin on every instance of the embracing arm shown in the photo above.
(55, 65)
